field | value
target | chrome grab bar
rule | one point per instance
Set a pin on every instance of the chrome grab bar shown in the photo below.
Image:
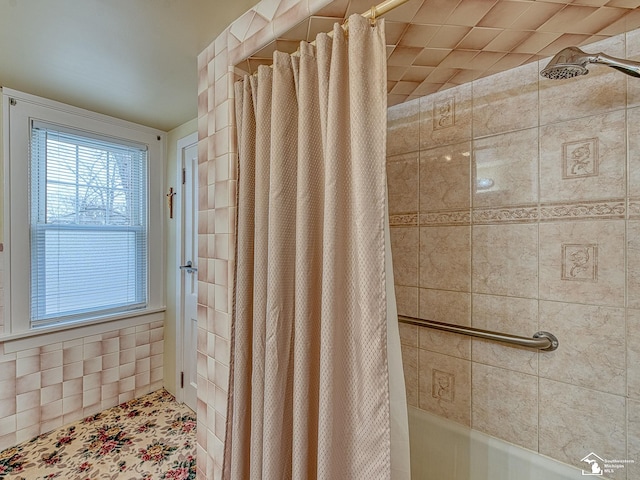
(544, 341)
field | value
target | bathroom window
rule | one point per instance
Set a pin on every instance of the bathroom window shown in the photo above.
(88, 225)
(85, 236)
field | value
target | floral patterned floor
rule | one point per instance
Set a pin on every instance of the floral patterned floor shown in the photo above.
(149, 438)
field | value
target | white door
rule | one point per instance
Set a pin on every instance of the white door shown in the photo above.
(189, 274)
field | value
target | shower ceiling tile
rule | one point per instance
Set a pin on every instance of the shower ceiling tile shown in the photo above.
(479, 37)
(434, 45)
(434, 11)
(503, 14)
(417, 74)
(537, 14)
(448, 36)
(417, 35)
(394, 31)
(470, 12)
(402, 56)
(431, 57)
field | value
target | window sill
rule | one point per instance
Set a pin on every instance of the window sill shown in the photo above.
(63, 333)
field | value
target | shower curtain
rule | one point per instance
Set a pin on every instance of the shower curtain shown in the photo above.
(314, 330)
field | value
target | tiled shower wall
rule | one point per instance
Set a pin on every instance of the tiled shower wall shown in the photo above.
(515, 206)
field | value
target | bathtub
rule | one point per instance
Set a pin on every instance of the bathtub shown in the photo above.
(444, 450)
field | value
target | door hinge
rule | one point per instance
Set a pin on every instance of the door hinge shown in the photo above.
(12, 102)
(181, 379)
(184, 176)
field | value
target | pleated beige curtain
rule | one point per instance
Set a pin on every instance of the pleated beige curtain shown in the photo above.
(309, 393)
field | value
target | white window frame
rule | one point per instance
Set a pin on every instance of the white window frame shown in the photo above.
(19, 109)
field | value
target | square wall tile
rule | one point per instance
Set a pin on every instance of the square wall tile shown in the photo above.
(402, 183)
(633, 264)
(516, 316)
(407, 300)
(505, 260)
(445, 386)
(404, 247)
(505, 169)
(572, 423)
(583, 159)
(403, 128)
(445, 117)
(633, 120)
(633, 443)
(583, 262)
(506, 101)
(592, 346)
(448, 307)
(505, 405)
(445, 262)
(633, 353)
(445, 176)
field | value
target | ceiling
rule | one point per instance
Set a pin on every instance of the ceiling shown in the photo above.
(136, 59)
(436, 44)
(132, 59)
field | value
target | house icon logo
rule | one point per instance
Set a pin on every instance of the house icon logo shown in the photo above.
(596, 464)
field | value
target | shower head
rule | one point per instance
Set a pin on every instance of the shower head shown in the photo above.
(572, 62)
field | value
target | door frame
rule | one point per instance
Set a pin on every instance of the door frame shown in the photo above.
(182, 145)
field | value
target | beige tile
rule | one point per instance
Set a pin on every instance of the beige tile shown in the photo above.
(448, 307)
(506, 101)
(402, 183)
(633, 120)
(404, 248)
(445, 117)
(572, 423)
(592, 346)
(505, 405)
(602, 90)
(633, 264)
(633, 353)
(505, 260)
(633, 53)
(505, 169)
(583, 159)
(444, 386)
(633, 442)
(583, 262)
(407, 300)
(403, 127)
(516, 316)
(408, 335)
(445, 261)
(445, 178)
(410, 367)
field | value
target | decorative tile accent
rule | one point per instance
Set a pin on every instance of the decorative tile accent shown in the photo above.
(438, 375)
(443, 385)
(580, 262)
(585, 210)
(460, 217)
(403, 220)
(525, 214)
(444, 113)
(580, 158)
(559, 264)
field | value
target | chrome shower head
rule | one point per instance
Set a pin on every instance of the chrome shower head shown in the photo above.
(572, 62)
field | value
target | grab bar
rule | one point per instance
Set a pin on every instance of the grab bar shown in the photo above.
(544, 341)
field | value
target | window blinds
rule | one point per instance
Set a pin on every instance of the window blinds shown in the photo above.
(88, 225)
